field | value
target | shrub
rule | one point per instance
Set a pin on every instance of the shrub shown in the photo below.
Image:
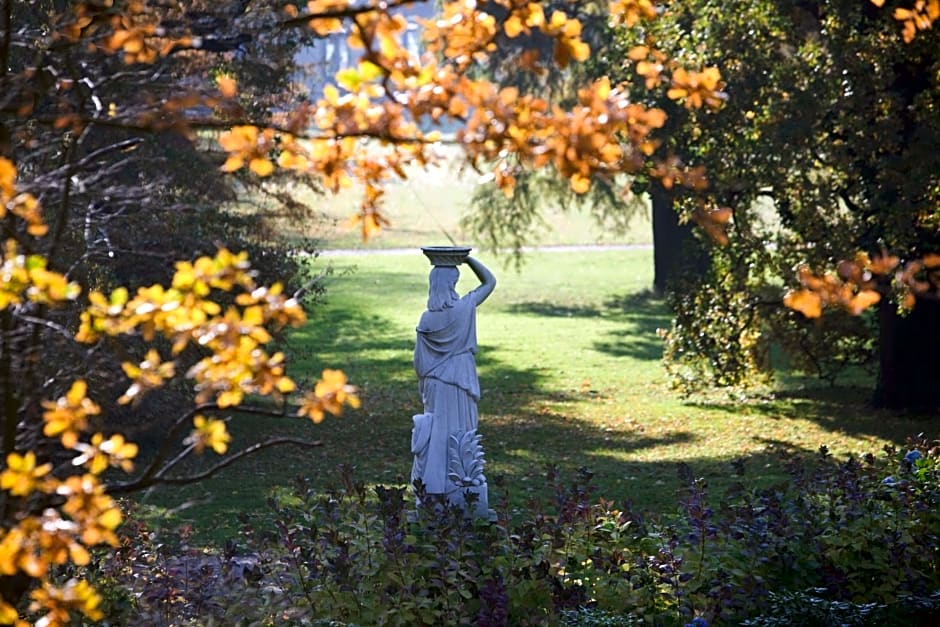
(841, 542)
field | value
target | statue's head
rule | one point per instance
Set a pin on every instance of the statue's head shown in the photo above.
(442, 293)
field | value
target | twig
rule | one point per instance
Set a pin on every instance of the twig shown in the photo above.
(133, 486)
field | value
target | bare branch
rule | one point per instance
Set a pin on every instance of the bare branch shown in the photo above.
(349, 12)
(157, 466)
(140, 484)
(181, 124)
(6, 12)
(58, 328)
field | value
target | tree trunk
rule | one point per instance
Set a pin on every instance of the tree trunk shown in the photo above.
(676, 251)
(908, 368)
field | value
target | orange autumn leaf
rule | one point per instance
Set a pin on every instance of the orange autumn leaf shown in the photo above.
(329, 395)
(920, 17)
(697, 89)
(7, 180)
(805, 301)
(579, 183)
(931, 260)
(630, 12)
(862, 301)
(638, 53)
(883, 264)
(261, 167)
(228, 86)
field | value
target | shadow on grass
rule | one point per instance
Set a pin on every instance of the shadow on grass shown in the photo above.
(552, 310)
(654, 487)
(640, 315)
(839, 409)
(529, 440)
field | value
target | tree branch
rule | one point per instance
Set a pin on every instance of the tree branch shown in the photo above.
(204, 124)
(68, 159)
(58, 328)
(7, 13)
(142, 483)
(156, 465)
(303, 20)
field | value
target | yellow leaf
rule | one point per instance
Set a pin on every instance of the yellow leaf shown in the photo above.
(110, 519)
(331, 94)
(235, 162)
(513, 26)
(676, 93)
(99, 463)
(79, 555)
(579, 183)
(8, 613)
(77, 392)
(253, 315)
(369, 71)
(261, 167)
(349, 79)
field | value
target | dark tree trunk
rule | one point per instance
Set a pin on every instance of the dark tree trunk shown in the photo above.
(909, 357)
(676, 251)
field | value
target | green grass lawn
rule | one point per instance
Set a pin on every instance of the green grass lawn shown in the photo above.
(570, 369)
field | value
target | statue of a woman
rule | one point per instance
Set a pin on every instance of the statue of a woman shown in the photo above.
(447, 380)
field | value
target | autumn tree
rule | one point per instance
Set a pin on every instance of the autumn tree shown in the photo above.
(821, 153)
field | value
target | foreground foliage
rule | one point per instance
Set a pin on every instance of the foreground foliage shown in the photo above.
(212, 325)
(850, 542)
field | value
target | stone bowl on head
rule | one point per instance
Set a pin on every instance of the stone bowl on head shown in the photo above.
(446, 255)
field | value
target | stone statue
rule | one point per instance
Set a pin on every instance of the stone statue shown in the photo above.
(448, 458)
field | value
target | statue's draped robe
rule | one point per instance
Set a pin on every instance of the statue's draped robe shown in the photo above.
(447, 380)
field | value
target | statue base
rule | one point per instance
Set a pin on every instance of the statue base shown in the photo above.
(460, 498)
(481, 504)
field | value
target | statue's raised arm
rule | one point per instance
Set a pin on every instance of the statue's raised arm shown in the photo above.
(487, 280)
